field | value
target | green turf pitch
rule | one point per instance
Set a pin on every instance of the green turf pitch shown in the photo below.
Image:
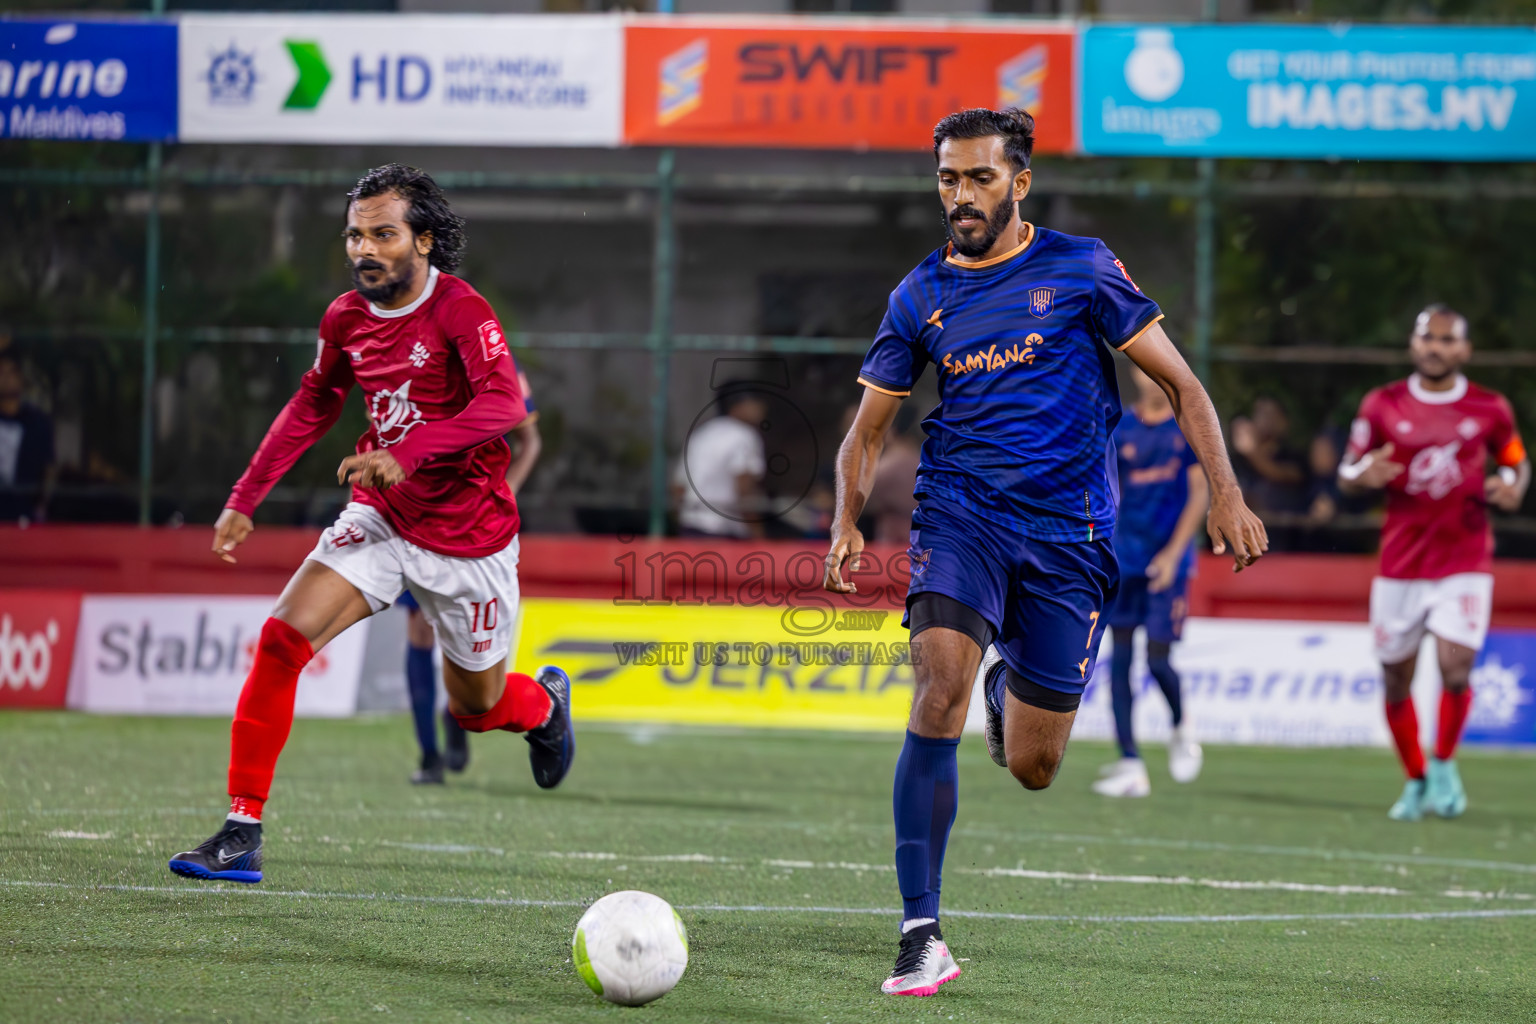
(384, 901)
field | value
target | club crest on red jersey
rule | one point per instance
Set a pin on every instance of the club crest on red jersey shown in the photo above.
(1042, 301)
(393, 414)
(1435, 470)
(492, 342)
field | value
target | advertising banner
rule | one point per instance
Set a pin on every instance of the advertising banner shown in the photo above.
(524, 80)
(1300, 91)
(98, 80)
(825, 84)
(37, 638)
(159, 654)
(1504, 690)
(807, 667)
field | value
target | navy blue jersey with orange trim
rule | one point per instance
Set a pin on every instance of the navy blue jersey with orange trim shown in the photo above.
(1154, 464)
(1027, 394)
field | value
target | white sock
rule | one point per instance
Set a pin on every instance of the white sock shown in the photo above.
(243, 819)
(916, 922)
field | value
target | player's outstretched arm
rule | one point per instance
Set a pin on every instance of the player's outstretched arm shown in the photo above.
(313, 410)
(1230, 523)
(856, 461)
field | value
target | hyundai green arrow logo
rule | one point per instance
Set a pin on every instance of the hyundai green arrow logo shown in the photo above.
(314, 76)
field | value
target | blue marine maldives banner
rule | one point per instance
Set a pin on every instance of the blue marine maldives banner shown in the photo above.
(1309, 91)
(1504, 690)
(87, 80)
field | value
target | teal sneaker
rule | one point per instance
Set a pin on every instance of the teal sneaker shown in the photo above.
(1409, 806)
(1443, 793)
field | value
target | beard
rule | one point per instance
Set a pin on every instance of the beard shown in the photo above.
(387, 290)
(993, 227)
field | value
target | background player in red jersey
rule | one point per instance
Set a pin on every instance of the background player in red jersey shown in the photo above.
(1428, 441)
(430, 506)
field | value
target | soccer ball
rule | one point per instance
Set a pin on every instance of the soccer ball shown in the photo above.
(630, 947)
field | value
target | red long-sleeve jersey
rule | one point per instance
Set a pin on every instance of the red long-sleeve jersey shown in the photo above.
(440, 390)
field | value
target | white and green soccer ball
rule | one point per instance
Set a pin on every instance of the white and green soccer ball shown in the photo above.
(630, 947)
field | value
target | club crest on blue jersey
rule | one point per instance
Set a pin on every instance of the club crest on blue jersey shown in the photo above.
(1042, 301)
(919, 559)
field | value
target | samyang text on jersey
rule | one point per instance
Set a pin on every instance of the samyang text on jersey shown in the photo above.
(1027, 394)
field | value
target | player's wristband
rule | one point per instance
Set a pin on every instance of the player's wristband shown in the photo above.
(1352, 471)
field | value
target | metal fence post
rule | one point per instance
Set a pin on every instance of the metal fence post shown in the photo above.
(151, 334)
(1205, 267)
(663, 280)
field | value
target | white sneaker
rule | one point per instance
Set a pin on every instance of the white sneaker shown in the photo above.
(922, 965)
(1184, 754)
(1128, 777)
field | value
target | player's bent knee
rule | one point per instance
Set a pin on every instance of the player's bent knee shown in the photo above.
(1034, 770)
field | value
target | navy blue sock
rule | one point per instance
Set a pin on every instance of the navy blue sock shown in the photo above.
(1167, 677)
(925, 798)
(422, 684)
(1120, 690)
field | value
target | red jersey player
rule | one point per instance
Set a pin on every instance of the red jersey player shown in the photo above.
(1428, 442)
(430, 504)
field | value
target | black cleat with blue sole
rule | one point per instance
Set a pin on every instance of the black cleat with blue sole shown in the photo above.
(233, 854)
(552, 746)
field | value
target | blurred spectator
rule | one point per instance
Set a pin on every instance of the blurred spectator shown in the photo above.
(720, 482)
(890, 498)
(1273, 475)
(26, 448)
(1324, 501)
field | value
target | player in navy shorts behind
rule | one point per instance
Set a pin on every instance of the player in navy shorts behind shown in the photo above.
(1163, 497)
(1016, 487)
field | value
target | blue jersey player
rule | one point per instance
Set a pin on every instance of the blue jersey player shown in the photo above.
(1016, 487)
(1163, 497)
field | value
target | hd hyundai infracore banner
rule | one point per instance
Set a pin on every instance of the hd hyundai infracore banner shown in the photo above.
(515, 80)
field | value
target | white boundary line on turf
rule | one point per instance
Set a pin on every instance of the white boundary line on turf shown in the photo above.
(980, 832)
(196, 889)
(1018, 872)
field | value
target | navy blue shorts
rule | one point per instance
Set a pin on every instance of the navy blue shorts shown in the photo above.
(1162, 613)
(407, 600)
(1044, 600)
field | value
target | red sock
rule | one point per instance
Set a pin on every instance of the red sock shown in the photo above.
(524, 705)
(1404, 723)
(1454, 706)
(265, 714)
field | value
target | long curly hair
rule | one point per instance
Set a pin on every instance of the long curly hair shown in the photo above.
(428, 209)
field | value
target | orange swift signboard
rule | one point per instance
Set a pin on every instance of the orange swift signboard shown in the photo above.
(818, 84)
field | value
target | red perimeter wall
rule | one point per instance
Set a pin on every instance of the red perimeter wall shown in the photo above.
(126, 559)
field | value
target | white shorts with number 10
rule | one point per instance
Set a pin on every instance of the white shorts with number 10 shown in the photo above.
(471, 602)
(1456, 608)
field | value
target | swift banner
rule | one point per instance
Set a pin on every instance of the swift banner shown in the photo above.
(808, 667)
(103, 80)
(1298, 91)
(502, 81)
(811, 83)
